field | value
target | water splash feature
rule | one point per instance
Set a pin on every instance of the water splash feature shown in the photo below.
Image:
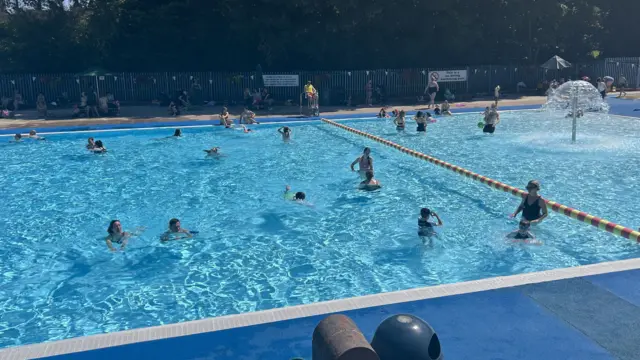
(574, 99)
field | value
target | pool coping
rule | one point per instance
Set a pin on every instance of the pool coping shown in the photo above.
(98, 341)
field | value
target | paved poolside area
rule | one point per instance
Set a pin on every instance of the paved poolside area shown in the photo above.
(156, 114)
(547, 315)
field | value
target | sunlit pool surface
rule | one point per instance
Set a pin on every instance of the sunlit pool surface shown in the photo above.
(256, 251)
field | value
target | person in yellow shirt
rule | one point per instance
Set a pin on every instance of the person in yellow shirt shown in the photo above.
(310, 90)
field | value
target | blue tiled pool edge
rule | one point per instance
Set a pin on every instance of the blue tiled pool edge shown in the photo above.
(187, 123)
(471, 317)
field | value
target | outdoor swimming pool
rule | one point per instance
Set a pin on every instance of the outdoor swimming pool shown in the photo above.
(255, 251)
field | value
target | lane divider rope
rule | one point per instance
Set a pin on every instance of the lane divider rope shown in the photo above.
(581, 216)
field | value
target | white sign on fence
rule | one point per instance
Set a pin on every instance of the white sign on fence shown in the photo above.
(448, 75)
(280, 80)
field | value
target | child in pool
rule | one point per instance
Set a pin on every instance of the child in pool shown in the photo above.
(523, 235)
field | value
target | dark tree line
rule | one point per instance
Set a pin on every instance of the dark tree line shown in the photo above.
(171, 35)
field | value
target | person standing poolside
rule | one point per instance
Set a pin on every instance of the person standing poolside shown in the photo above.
(432, 89)
(175, 232)
(421, 120)
(399, 121)
(116, 236)
(365, 163)
(622, 85)
(369, 182)
(425, 227)
(533, 207)
(369, 92)
(491, 119)
(496, 94)
(285, 132)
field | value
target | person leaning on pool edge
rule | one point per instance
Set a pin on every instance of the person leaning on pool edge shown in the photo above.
(533, 207)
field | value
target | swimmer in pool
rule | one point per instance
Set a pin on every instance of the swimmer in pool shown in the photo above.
(421, 120)
(214, 151)
(446, 108)
(286, 133)
(34, 136)
(533, 207)
(369, 182)
(91, 144)
(99, 148)
(290, 195)
(365, 163)
(225, 119)
(246, 130)
(523, 235)
(399, 121)
(17, 137)
(425, 227)
(175, 232)
(383, 114)
(177, 133)
(491, 119)
(436, 110)
(116, 235)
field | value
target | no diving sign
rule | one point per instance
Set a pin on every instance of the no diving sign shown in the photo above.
(448, 75)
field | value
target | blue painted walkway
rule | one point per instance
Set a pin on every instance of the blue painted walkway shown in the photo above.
(596, 317)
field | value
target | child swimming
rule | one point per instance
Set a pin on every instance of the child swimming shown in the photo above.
(425, 227)
(523, 235)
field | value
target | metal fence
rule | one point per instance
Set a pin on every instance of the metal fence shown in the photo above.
(335, 86)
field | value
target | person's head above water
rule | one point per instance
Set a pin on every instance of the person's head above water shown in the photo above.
(114, 227)
(425, 213)
(99, 144)
(428, 114)
(402, 113)
(32, 132)
(174, 225)
(524, 225)
(299, 196)
(533, 186)
(494, 106)
(286, 129)
(17, 136)
(369, 175)
(90, 140)
(419, 114)
(366, 151)
(178, 132)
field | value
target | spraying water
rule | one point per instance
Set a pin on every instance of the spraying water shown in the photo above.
(574, 99)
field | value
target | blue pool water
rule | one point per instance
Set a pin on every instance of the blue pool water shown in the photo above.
(256, 251)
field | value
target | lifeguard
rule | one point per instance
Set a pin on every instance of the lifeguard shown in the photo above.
(310, 91)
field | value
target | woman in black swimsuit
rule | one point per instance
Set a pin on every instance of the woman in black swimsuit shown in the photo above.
(421, 121)
(533, 207)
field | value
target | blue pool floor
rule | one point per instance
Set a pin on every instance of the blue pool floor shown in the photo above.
(595, 317)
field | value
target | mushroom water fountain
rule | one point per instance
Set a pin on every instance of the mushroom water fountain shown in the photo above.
(574, 99)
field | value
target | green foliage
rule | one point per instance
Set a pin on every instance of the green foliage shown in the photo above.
(165, 35)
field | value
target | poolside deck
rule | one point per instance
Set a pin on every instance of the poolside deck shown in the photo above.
(547, 315)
